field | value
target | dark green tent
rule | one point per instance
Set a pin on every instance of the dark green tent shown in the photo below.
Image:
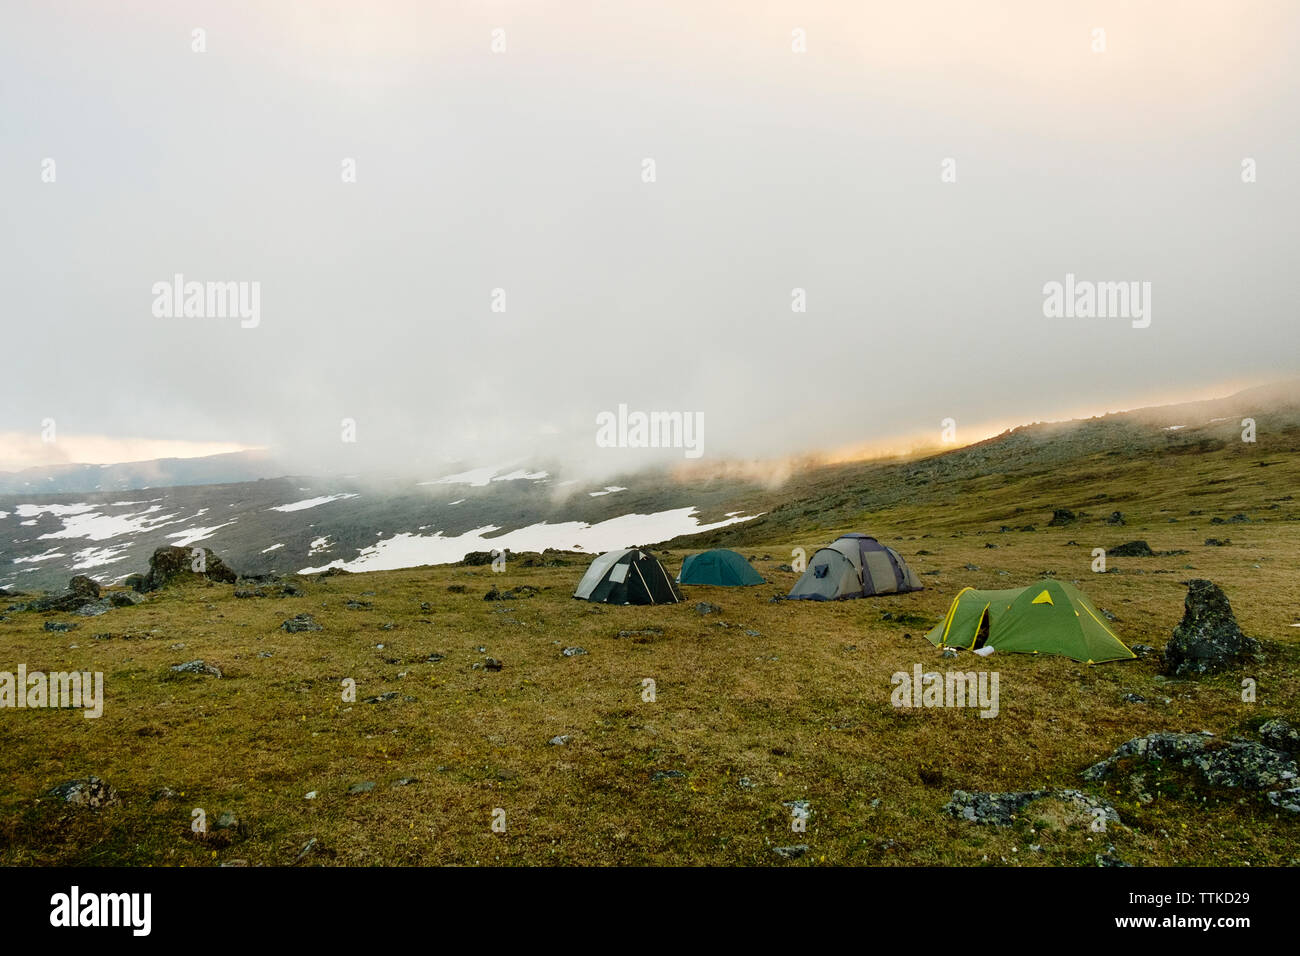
(721, 567)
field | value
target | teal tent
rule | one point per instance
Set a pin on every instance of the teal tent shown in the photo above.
(721, 567)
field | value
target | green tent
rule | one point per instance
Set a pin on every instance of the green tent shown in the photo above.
(720, 567)
(1049, 617)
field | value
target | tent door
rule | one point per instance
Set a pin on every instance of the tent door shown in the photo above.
(981, 632)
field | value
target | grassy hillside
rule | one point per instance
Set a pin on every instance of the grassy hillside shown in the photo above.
(760, 705)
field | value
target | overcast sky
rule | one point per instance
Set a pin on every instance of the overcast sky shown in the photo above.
(523, 170)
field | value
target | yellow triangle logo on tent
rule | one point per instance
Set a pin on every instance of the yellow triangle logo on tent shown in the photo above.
(1043, 598)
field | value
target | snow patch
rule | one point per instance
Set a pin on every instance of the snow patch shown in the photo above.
(312, 502)
(407, 550)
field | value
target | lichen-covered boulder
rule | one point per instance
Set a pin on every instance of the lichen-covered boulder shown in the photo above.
(1207, 640)
(172, 565)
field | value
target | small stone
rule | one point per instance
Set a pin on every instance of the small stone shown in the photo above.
(301, 622)
(573, 651)
(791, 852)
(89, 792)
(364, 787)
(665, 775)
(559, 740)
(197, 667)
(307, 848)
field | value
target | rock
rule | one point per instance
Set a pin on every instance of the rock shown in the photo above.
(364, 787)
(1110, 859)
(124, 598)
(559, 740)
(94, 608)
(1217, 543)
(1208, 639)
(1246, 765)
(1281, 735)
(197, 667)
(492, 595)
(173, 565)
(382, 698)
(492, 664)
(704, 608)
(791, 852)
(1116, 517)
(950, 652)
(85, 586)
(405, 781)
(59, 626)
(1131, 549)
(573, 651)
(301, 622)
(1240, 764)
(1061, 517)
(1156, 746)
(89, 792)
(307, 848)
(785, 567)
(329, 573)
(1000, 809)
(1286, 799)
(310, 795)
(227, 821)
(665, 775)
(1142, 650)
(478, 558)
(798, 808)
(746, 784)
(66, 601)
(1134, 699)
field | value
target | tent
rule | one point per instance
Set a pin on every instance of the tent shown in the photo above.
(1049, 617)
(720, 567)
(630, 576)
(853, 566)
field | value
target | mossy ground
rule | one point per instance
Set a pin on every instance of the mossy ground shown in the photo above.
(800, 709)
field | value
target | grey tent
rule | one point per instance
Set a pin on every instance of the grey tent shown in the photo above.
(854, 566)
(630, 576)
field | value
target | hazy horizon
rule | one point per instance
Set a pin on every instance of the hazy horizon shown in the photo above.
(824, 169)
